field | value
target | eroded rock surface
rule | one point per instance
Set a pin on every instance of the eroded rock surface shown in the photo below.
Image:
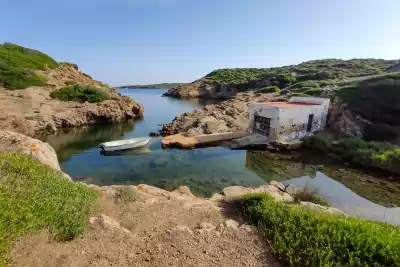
(32, 111)
(228, 116)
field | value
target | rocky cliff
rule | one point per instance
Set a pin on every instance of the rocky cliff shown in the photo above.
(25, 102)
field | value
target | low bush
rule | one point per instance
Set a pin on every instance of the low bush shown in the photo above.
(35, 197)
(270, 89)
(306, 238)
(313, 92)
(318, 142)
(80, 93)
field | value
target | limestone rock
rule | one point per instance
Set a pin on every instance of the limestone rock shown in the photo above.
(39, 113)
(107, 223)
(320, 208)
(41, 151)
(182, 228)
(231, 224)
(247, 228)
(206, 226)
(184, 190)
(236, 191)
(217, 197)
(278, 185)
(293, 190)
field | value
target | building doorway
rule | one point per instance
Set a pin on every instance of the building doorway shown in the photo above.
(262, 125)
(310, 122)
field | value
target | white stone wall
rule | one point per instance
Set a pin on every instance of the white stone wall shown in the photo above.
(293, 121)
(266, 112)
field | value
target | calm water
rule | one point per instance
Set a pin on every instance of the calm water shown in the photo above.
(206, 170)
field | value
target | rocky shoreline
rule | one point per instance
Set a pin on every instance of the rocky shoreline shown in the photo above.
(33, 112)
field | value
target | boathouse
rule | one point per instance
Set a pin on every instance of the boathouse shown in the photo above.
(286, 121)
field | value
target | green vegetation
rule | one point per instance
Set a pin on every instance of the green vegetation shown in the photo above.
(269, 89)
(17, 65)
(80, 93)
(380, 155)
(153, 86)
(35, 197)
(312, 197)
(315, 74)
(307, 238)
(126, 194)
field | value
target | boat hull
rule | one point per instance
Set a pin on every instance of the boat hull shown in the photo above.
(125, 146)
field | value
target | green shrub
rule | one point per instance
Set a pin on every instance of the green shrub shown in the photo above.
(303, 195)
(126, 195)
(299, 94)
(314, 92)
(80, 93)
(307, 238)
(318, 142)
(270, 89)
(35, 197)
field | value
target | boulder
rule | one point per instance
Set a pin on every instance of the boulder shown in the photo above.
(278, 185)
(41, 151)
(107, 223)
(184, 190)
(236, 191)
(292, 189)
(231, 224)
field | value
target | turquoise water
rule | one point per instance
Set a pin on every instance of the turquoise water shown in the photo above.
(208, 170)
(205, 171)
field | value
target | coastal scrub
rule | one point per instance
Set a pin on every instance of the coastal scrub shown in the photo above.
(379, 155)
(18, 65)
(80, 93)
(304, 237)
(35, 197)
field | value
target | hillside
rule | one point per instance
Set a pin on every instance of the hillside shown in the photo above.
(304, 76)
(39, 95)
(362, 106)
(152, 86)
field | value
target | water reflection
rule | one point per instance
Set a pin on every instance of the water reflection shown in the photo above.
(341, 197)
(72, 141)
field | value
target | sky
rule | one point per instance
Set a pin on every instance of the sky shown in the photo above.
(124, 42)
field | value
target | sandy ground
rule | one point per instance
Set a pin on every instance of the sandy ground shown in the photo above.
(157, 228)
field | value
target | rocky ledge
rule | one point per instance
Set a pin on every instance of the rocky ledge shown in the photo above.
(228, 116)
(32, 111)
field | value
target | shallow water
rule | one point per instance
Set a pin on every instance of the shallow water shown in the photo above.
(208, 170)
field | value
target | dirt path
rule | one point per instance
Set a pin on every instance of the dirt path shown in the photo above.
(151, 227)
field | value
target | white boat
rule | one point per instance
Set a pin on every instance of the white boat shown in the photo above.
(125, 144)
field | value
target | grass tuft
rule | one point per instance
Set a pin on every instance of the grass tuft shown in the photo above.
(126, 194)
(35, 197)
(307, 238)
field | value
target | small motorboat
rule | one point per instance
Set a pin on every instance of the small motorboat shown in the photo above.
(125, 144)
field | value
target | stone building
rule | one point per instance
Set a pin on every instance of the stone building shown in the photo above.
(285, 121)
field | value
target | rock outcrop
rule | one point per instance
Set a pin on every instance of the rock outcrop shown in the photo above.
(41, 151)
(227, 116)
(32, 111)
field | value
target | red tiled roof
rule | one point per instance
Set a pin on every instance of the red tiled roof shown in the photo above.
(287, 104)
